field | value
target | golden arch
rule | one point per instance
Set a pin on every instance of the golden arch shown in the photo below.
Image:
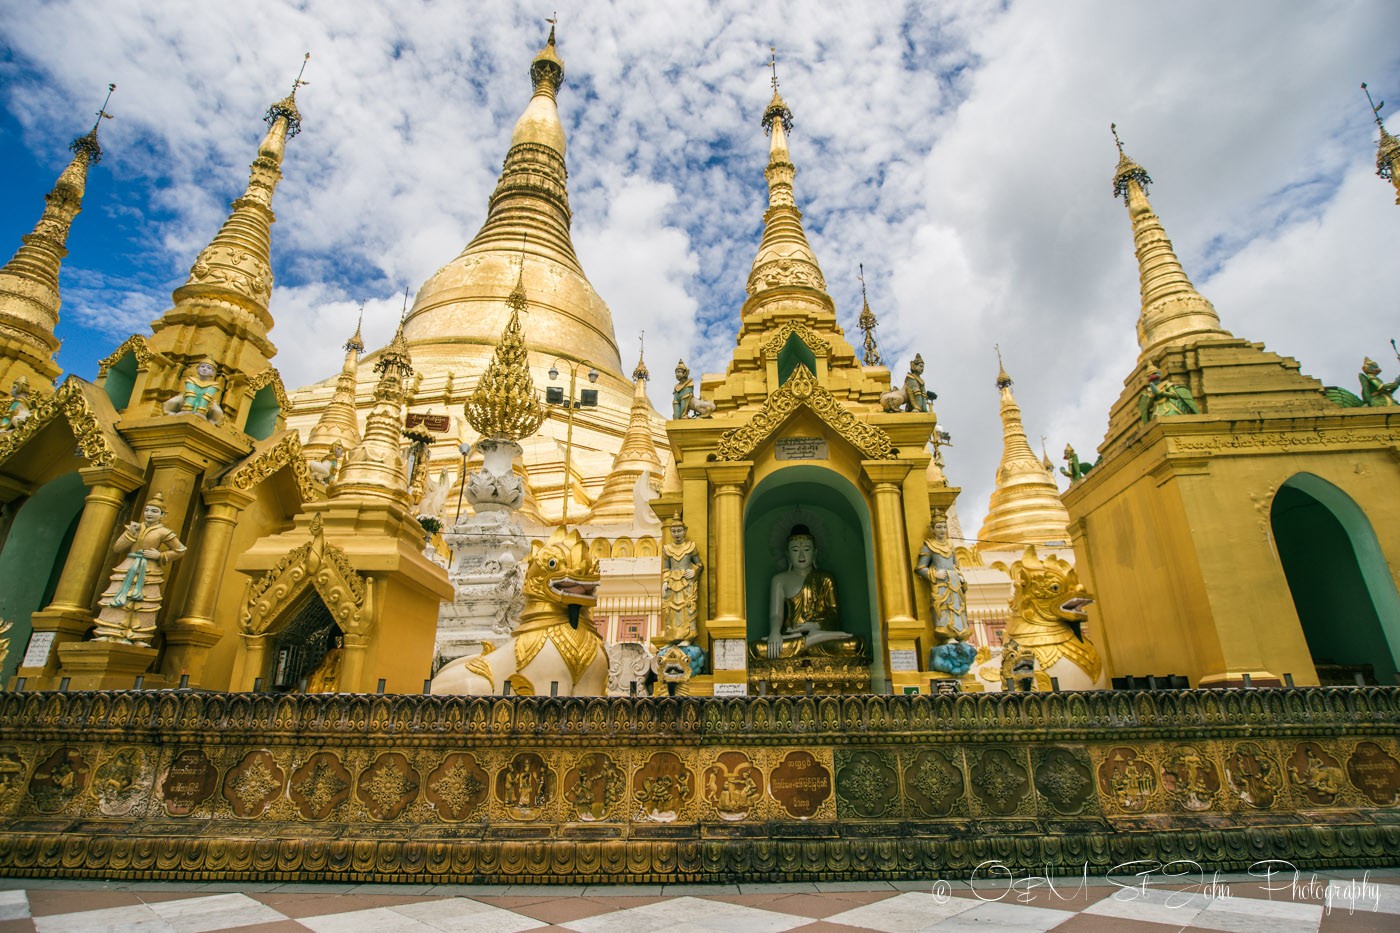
(317, 563)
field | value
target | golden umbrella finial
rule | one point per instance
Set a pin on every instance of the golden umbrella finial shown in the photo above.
(88, 143)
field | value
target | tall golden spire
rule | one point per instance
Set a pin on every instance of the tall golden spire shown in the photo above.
(785, 258)
(338, 422)
(1025, 507)
(375, 468)
(1173, 311)
(504, 404)
(29, 299)
(867, 325)
(616, 504)
(1388, 149)
(232, 276)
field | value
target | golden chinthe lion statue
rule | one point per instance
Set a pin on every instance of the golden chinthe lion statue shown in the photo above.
(555, 642)
(1047, 617)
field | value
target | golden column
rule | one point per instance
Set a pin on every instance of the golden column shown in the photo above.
(189, 638)
(727, 480)
(902, 629)
(69, 615)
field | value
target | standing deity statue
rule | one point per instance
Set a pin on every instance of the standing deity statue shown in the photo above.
(200, 393)
(14, 411)
(1163, 398)
(948, 598)
(133, 597)
(680, 581)
(803, 614)
(685, 403)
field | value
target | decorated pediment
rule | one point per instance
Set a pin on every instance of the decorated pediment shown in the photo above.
(283, 452)
(814, 341)
(321, 565)
(802, 391)
(271, 377)
(135, 345)
(89, 415)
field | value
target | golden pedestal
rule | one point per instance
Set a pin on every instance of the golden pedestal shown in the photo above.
(103, 665)
(828, 676)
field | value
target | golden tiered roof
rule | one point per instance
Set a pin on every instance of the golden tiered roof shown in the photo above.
(616, 504)
(339, 423)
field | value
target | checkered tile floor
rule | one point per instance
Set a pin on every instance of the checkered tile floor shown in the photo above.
(1331, 901)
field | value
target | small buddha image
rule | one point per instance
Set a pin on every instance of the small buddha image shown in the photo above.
(804, 617)
(200, 393)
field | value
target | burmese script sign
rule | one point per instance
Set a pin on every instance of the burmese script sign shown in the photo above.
(188, 782)
(801, 784)
(801, 448)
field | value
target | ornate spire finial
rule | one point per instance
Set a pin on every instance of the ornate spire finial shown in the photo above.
(547, 70)
(504, 403)
(867, 324)
(1375, 107)
(641, 373)
(287, 106)
(777, 109)
(356, 344)
(773, 63)
(88, 143)
(403, 314)
(1127, 170)
(516, 300)
(1388, 155)
(1003, 380)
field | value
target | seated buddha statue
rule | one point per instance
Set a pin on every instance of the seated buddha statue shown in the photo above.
(803, 614)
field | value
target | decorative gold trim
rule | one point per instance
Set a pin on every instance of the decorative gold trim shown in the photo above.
(271, 377)
(816, 343)
(316, 563)
(69, 402)
(261, 465)
(801, 389)
(134, 344)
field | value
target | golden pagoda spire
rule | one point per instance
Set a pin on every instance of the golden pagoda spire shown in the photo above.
(232, 276)
(504, 404)
(785, 258)
(29, 299)
(616, 504)
(338, 422)
(867, 325)
(375, 468)
(1172, 310)
(1025, 507)
(1388, 149)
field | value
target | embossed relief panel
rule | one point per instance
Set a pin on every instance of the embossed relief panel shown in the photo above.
(867, 784)
(732, 787)
(13, 770)
(187, 782)
(1064, 782)
(525, 786)
(59, 778)
(121, 784)
(388, 786)
(457, 788)
(1253, 774)
(595, 785)
(1128, 781)
(1315, 775)
(319, 788)
(1374, 771)
(935, 783)
(253, 783)
(663, 789)
(1000, 779)
(1191, 778)
(800, 783)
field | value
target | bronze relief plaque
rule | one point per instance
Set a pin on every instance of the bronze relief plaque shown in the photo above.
(1375, 773)
(12, 771)
(188, 781)
(122, 780)
(593, 787)
(1315, 773)
(387, 786)
(58, 779)
(1000, 782)
(1063, 781)
(934, 782)
(251, 785)
(800, 784)
(661, 787)
(525, 786)
(733, 786)
(1127, 779)
(867, 785)
(319, 786)
(1254, 775)
(1190, 778)
(456, 789)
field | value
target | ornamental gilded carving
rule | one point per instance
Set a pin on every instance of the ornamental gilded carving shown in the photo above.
(316, 563)
(285, 453)
(801, 389)
(70, 403)
(816, 343)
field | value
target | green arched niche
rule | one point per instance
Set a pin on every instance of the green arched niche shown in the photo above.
(793, 354)
(263, 412)
(120, 380)
(845, 548)
(1337, 574)
(33, 557)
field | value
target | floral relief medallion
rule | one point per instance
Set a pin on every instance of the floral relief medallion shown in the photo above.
(58, 779)
(456, 789)
(867, 785)
(1375, 773)
(1315, 773)
(800, 784)
(387, 786)
(593, 787)
(122, 780)
(661, 787)
(1000, 782)
(1127, 779)
(251, 785)
(319, 786)
(525, 786)
(1254, 775)
(187, 782)
(1063, 781)
(733, 786)
(934, 782)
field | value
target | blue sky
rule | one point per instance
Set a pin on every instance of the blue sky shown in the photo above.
(959, 150)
